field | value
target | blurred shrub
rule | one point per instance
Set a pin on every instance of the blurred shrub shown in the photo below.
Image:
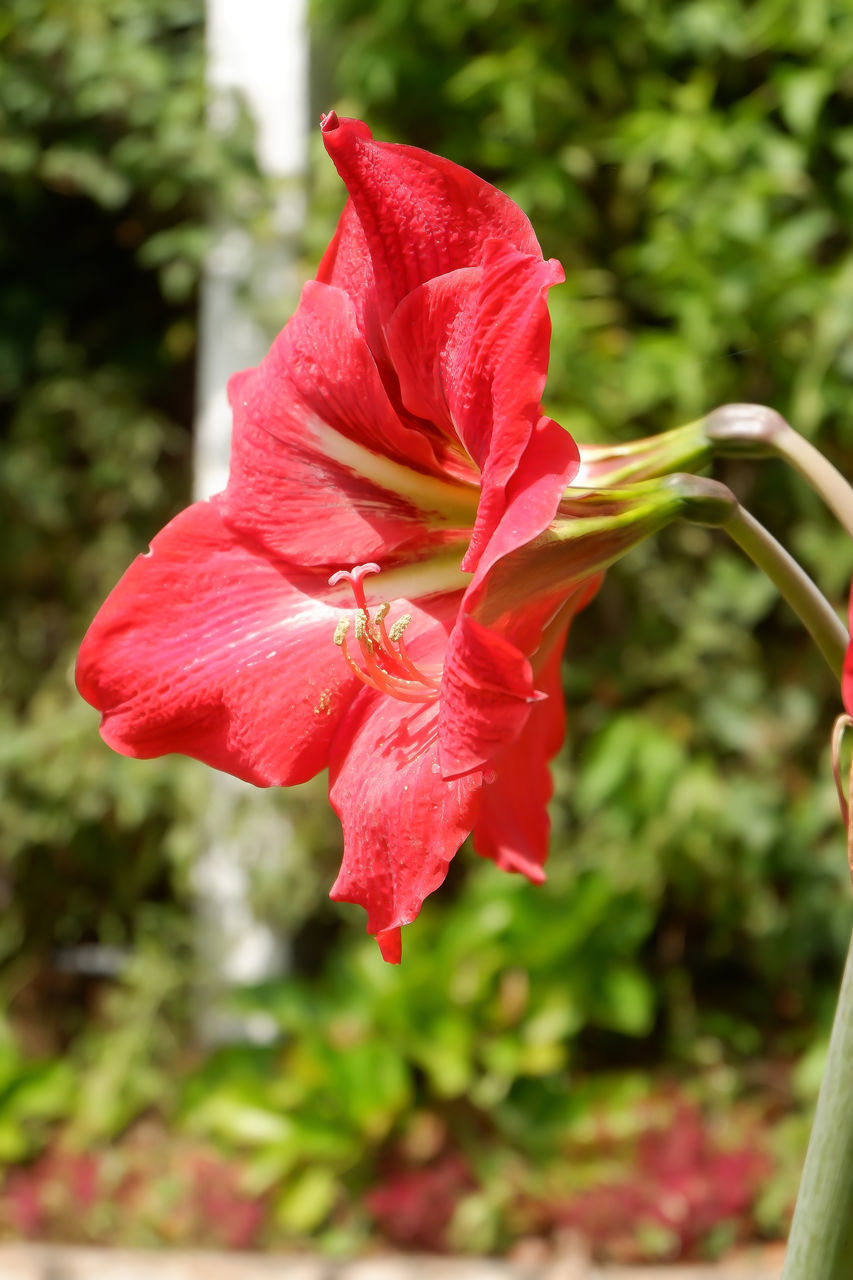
(108, 180)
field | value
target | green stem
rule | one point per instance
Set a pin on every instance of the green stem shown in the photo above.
(820, 1246)
(813, 609)
(709, 502)
(753, 430)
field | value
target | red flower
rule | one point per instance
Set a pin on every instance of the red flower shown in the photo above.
(396, 426)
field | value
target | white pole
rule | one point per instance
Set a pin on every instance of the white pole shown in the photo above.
(256, 49)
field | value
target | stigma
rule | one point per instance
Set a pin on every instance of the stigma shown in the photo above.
(383, 662)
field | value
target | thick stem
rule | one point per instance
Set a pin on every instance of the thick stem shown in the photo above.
(820, 1246)
(815, 612)
(821, 1240)
(753, 430)
(709, 502)
(821, 474)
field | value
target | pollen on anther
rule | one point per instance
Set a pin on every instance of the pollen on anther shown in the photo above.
(382, 613)
(399, 626)
(341, 630)
(360, 627)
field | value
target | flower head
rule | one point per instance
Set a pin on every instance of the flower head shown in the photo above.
(340, 603)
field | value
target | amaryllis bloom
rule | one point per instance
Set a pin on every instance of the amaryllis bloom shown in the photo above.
(339, 604)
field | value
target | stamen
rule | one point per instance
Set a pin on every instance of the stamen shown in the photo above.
(399, 627)
(387, 667)
(390, 655)
(340, 631)
(410, 666)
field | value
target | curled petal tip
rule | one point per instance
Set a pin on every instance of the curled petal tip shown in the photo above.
(340, 133)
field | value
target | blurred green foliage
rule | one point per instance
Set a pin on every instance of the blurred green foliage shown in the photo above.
(108, 179)
(691, 164)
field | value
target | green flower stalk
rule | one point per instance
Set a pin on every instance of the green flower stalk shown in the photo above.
(733, 430)
(756, 431)
(820, 1246)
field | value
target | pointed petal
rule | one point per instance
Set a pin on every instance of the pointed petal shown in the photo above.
(322, 470)
(471, 351)
(208, 648)
(422, 215)
(513, 827)
(391, 945)
(487, 693)
(402, 821)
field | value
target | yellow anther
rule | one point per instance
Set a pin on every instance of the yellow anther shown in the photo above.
(399, 627)
(383, 663)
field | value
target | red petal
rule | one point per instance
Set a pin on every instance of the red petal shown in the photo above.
(347, 265)
(422, 215)
(486, 697)
(402, 821)
(549, 463)
(322, 470)
(471, 351)
(208, 648)
(516, 590)
(390, 945)
(513, 827)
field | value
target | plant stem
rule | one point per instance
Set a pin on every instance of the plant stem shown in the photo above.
(711, 503)
(821, 474)
(820, 1246)
(812, 608)
(754, 430)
